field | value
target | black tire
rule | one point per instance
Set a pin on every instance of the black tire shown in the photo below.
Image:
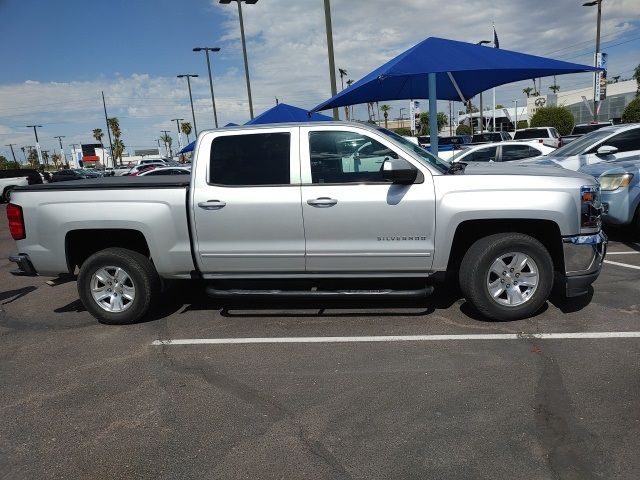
(475, 269)
(142, 274)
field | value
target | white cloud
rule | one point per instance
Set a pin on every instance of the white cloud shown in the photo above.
(288, 60)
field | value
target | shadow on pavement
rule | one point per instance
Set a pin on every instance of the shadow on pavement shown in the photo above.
(14, 295)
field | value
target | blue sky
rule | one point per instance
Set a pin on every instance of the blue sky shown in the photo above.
(58, 56)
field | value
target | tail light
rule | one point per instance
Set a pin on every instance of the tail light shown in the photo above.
(16, 222)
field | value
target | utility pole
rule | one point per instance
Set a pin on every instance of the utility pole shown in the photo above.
(106, 119)
(12, 152)
(213, 100)
(60, 137)
(73, 152)
(193, 114)
(35, 131)
(332, 63)
(596, 79)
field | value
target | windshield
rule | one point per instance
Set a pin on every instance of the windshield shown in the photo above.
(578, 146)
(422, 155)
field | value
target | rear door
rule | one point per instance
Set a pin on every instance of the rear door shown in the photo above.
(354, 220)
(245, 205)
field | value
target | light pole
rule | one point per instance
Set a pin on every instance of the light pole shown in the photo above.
(515, 126)
(332, 63)
(35, 131)
(401, 118)
(193, 114)
(596, 74)
(178, 120)
(213, 100)
(482, 42)
(64, 159)
(244, 47)
(12, 152)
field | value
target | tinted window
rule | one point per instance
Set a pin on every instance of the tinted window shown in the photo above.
(517, 152)
(486, 137)
(533, 133)
(251, 159)
(346, 157)
(625, 141)
(481, 155)
(578, 147)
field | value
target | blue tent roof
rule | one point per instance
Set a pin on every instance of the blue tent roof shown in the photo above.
(462, 69)
(188, 148)
(283, 113)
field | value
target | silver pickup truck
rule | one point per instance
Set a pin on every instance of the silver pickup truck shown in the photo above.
(316, 209)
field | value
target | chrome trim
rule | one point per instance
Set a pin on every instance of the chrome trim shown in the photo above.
(583, 254)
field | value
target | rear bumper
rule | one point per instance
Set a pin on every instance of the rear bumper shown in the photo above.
(25, 267)
(583, 257)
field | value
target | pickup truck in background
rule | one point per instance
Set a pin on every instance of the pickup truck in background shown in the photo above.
(326, 209)
(582, 129)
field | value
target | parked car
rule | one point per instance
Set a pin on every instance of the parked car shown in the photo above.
(282, 204)
(607, 144)
(445, 144)
(620, 186)
(547, 135)
(144, 167)
(582, 129)
(72, 174)
(16, 177)
(489, 137)
(498, 152)
(166, 171)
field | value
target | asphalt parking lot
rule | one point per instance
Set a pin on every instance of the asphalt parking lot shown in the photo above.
(84, 400)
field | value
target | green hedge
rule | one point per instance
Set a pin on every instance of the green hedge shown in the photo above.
(631, 112)
(405, 132)
(463, 130)
(559, 117)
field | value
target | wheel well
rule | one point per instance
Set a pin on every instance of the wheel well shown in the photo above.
(81, 244)
(546, 232)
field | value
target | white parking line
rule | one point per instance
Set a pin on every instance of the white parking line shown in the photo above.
(623, 253)
(635, 267)
(397, 338)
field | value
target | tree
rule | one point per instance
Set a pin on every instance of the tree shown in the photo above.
(186, 129)
(33, 158)
(441, 119)
(463, 130)
(535, 92)
(114, 125)
(6, 163)
(385, 111)
(527, 91)
(522, 124)
(636, 75)
(404, 131)
(98, 134)
(167, 140)
(631, 113)
(499, 105)
(554, 88)
(56, 158)
(559, 117)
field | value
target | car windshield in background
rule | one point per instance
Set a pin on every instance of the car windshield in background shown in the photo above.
(582, 129)
(426, 157)
(525, 134)
(578, 146)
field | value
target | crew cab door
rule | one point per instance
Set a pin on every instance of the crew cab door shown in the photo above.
(354, 220)
(245, 208)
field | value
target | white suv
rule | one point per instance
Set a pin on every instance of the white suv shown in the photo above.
(547, 135)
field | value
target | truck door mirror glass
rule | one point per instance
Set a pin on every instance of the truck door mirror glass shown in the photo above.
(606, 150)
(398, 170)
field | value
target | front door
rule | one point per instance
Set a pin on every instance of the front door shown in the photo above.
(246, 203)
(354, 220)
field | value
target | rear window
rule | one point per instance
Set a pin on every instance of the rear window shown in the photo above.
(251, 159)
(582, 129)
(534, 133)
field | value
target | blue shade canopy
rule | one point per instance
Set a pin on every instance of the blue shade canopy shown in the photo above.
(188, 148)
(231, 124)
(462, 71)
(283, 113)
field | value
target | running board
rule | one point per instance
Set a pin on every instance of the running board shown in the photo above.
(295, 294)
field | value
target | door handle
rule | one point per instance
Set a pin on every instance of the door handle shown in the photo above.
(212, 205)
(322, 202)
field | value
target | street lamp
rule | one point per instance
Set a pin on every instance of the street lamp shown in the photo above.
(213, 101)
(481, 42)
(332, 63)
(12, 152)
(401, 118)
(515, 126)
(244, 46)
(596, 74)
(178, 120)
(64, 159)
(35, 131)
(193, 113)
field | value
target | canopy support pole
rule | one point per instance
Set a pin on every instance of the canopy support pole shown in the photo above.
(433, 113)
(455, 85)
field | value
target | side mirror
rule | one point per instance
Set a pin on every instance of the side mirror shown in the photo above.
(606, 150)
(399, 171)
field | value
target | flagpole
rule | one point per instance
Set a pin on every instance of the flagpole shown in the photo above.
(495, 45)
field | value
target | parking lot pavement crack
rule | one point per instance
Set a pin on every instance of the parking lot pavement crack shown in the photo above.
(569, 447)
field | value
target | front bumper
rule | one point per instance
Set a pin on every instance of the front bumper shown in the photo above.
(25, 267)
(583, 257)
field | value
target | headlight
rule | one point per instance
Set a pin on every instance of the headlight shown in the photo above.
(591, 208)
(613, 182)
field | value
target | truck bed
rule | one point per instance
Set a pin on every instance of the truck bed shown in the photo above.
(115, 183)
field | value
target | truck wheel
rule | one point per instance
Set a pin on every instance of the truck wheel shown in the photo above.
(118, 286)
(507, 276)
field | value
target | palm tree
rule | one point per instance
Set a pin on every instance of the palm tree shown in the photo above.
(114, 125)
(118, 149)
(527, 91)
(343, 73)
(385, 111)
(349, 82)
(99, 135)
(167, 140)
(186, 129)
(535, 92)
(554, 88)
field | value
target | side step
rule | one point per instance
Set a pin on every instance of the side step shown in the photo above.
(296, 294)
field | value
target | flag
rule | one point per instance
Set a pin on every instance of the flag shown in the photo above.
(496, 43)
